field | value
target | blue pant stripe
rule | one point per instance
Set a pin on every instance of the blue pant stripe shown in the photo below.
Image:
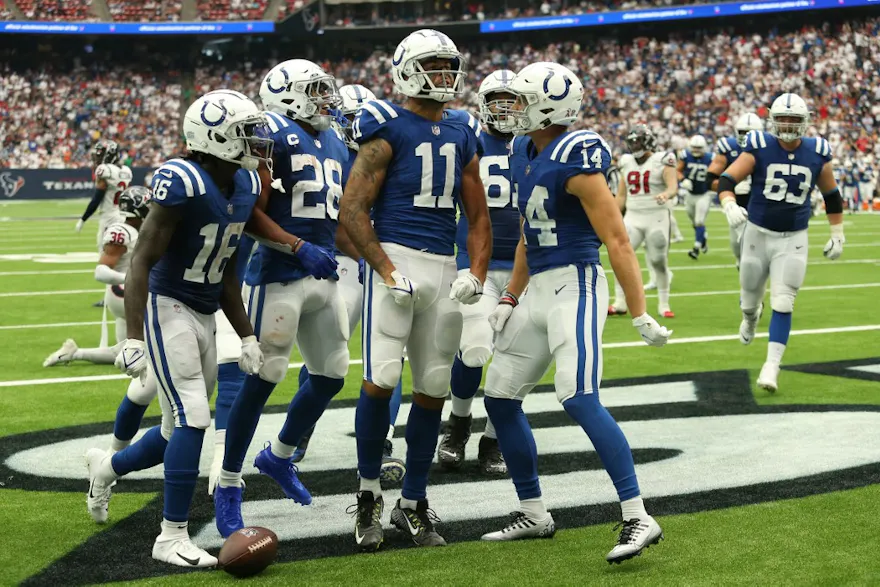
(579, 330)
(181, 416)
(594, 329)
(367, 323)
(258, 317)
(148, 335)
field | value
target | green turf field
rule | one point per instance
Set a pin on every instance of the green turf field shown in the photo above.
(750, 488)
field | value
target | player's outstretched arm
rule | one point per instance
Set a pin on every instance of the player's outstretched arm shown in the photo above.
(265, 230)
(716, 168)
(94, 203)
(670, 178)
(473, 199)
(621, 195)
(364, 182)
(105, 270)
(833, 209)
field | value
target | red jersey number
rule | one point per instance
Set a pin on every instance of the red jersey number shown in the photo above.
(638, 182)
(117, 238)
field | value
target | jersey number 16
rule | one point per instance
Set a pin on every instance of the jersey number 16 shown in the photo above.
(201, 271)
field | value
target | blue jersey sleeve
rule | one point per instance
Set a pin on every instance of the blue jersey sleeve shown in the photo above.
(582, 152)
(248, 182)
(473, 125)
(823, 149)
(175, 183)
(755, 141)
(372, 121)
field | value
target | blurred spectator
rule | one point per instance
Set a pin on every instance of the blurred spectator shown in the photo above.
(231, 9)
(144, 11)
(56, 10)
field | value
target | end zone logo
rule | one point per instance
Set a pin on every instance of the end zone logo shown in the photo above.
(10, 184)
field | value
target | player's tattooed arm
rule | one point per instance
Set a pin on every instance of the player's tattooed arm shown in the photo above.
(738, 171)
(230, 300)
(597, 201)
(155, 234)
(473, 199)
(344, 244)
(519, 277)
(364, 182)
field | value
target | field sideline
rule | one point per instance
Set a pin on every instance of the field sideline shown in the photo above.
(691, 411)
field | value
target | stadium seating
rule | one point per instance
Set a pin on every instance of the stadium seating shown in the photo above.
(151, 10)
(68, 10)
(231, 9)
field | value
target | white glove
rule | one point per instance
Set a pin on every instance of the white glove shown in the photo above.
(467, 289)
(132, 359)
(834, 247)
(652, 333)
(79, 225)
(501, 314)
(736, 215)
(251, 358)
(403, 290)
(686, 184)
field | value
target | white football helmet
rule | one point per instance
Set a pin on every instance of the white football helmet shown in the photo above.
(745, 123)
(496, 83)
(698, 145)
(300, 89)
(546, 94)
(353, 97)
(413, 80)
(789, 106)
(228, 125)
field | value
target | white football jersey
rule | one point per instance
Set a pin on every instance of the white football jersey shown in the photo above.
(644, 182)
(118, 178)
(124, 235)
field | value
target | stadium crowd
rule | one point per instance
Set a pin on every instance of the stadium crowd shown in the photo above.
(687, 85)
(68, 10)
(148, 10)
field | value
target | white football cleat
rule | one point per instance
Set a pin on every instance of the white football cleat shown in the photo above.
(98, 497)
(768, 376)
(635, 536)
(62, 356)
(180, 551)
(521, 526)
(650, 285)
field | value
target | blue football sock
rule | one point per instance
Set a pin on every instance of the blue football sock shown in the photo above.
(229, 381)
(371, 422)
(701, 234)
(181, 471)
(607, 439)
(422, 432)
(517, 444)
(303, 376)
(396, 398)
(780, 327)
(307, 406)
(243, 419)
(465, 381)
(128, 419)
(143, 454)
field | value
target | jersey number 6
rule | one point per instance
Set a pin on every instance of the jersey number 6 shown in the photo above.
(776, 186)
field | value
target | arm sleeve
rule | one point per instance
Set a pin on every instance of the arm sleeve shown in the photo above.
(95, 202)
(109, 276)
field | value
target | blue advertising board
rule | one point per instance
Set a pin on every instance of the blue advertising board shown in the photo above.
(138, 28)
(46, 184)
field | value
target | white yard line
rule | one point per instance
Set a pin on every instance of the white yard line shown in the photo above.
(52, 272)
(16, 294)
(55, 325)
(612, 345)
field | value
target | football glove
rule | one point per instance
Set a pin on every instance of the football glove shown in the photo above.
(501, 314)
(686, 184)
(318, 262)
(132, 359)
(652, 333)
(79, 225)
(736, 215)
(467, 289)
(834, 247)
(251, 359)
(403, 290)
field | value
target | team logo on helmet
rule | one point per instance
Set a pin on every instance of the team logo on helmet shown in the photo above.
(547, 87)
(398, 55)
(283, 85)
(217, 104)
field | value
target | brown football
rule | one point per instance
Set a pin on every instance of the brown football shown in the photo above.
(248, 551)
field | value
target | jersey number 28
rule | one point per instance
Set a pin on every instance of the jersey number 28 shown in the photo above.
(200, 271)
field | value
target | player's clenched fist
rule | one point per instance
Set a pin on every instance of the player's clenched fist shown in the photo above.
(132, 359)
(501, 314)
(652, 333)
(467, 289)
(403, 290)
(251, 359)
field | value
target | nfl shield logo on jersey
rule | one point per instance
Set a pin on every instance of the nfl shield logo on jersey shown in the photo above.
(229, 208)
(436, 130)
(528, 168)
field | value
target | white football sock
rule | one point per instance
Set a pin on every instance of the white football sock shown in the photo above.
(489, 432)
(775, 350)
(371, 485)
(229, 479)
(98, 356)
(117, 445)
(390, 432)
(633, 508)
(409, 504)
(461, 407)
(175, 529)
(534, 508)
(281, 450)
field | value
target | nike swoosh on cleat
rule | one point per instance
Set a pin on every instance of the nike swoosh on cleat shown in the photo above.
(357, 537)
(191, 561)
(449, 453)
(413, 531)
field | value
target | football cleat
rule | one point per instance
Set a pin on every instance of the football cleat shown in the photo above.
(615, 311)
(490, 458)
(768, 376)
(676, 238)
(649, 286)
(368, 533)
(748, 326)
(418, 523)
(300, 452)
(521, 526)
(285, 473)
(694, 253)
(180, 551)
(635, 536)
(227, 510)
(667, 313)
(98, 497)
(705, 248)
(450, 451)
(62, 356)
(392, 470)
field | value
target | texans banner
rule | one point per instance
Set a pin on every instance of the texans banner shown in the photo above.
(53, 184)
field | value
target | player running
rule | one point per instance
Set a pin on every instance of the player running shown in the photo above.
(784, 165)
(111, 179)
(411, 169)
(693, 163)
(568, 213)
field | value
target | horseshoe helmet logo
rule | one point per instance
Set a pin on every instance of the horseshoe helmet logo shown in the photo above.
(284, 84)
(217, 105)
(547, 87)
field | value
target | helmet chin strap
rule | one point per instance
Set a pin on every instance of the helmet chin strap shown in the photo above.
(249, 162)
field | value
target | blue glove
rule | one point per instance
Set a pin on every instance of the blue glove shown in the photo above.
(361, 271)
(318, 262)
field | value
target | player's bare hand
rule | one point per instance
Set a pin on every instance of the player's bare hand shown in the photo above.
(79, 225)
(652, 333)
(501, 314)
(251, 359)
(661, 198)
(467, 289)
(319, 262)
(736, 215)
(132, 359)
(402, 289)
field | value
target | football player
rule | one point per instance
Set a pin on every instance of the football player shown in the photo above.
(476, 337)
(293, 297)
(411, 169)
(183, 270)
(118, 245)
(866, 181)
(111, 179)
(568, 213)
(693, 163)
(784, 165)
(727, 149)
(851, 186)
(648, 180)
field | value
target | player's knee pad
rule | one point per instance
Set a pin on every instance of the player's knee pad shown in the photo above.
(751, 274)
(476, 342)
(435, 381)
(386, 374)
(657, 250)
(447, 334)
(144, 393)
(782, 301)
(274, 368)
(476, 356)
(199, 415)
(336, 364)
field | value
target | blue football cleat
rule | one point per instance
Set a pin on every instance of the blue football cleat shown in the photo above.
(284, 472)
(227, 509)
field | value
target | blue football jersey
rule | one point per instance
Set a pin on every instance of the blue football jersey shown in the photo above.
(783, 180)
(310, 170)
(191, 270)
(850, 177)
(730, 149)
(416, 205)
(557, 230)
(695, 169)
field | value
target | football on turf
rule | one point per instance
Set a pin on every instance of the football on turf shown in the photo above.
(248, 551)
